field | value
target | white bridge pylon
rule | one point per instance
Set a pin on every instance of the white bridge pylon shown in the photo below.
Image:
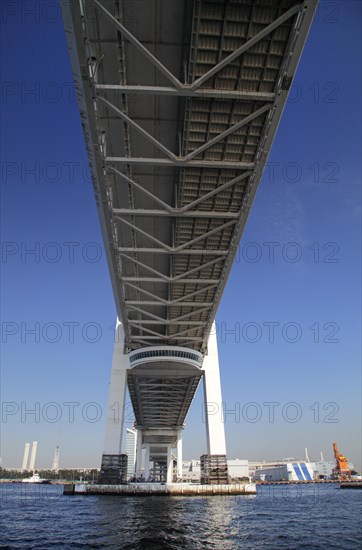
(162, 381)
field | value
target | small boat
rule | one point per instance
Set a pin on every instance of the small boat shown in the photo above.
(35, 478)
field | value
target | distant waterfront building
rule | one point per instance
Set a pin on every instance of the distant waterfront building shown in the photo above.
(325, 468)
(288, 471)
(191, 469)
(277, 470)
(238, 468)
(131, 445)
(253, 466)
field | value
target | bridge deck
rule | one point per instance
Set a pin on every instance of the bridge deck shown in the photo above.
(180, 102)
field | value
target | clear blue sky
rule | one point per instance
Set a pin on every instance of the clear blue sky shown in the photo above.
(310, 196)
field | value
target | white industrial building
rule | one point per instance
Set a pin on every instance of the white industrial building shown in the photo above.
(323, 468)
(238, 468)
(191, 469)
(288, 471)
(292, 471)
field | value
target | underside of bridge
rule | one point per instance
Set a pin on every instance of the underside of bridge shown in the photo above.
(180, 102)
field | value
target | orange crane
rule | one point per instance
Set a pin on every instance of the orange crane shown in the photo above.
(341, 470)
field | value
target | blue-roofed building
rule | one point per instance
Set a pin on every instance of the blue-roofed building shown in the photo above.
(288, 471)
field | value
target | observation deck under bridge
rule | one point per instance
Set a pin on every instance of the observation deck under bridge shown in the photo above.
(179, 102)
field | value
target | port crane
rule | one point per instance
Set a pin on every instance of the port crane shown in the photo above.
(341, 470)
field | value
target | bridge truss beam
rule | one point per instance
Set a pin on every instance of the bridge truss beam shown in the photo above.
(139, 254)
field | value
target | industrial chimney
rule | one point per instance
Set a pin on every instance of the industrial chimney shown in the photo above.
(33, 455)
(55, 466)
(25, 458)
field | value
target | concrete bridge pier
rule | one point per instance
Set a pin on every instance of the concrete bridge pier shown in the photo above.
(169, 478)
(147, 463)
(179, 455)
(114, 463)
(213, 464)
(139, 452)
(213, 417)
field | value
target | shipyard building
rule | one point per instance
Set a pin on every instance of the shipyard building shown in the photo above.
(288, 471)
(237, 468)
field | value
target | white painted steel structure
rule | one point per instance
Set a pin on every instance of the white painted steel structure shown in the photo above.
(180, 102)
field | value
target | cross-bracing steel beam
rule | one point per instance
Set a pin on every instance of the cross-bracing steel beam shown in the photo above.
(175, 81)
(226, 164)
(167, 336)
(185, 252)
(129, 303)
(176, 213)
(174, 320)
(162, 337)
(262, 34)
(187, 91)
(182, 300)
(139, 129)
(186, 159)
(159, 280)
(193, 203)
(246, 120)
(181, 246)
(165, 322)
(176, 277)
(197, 83)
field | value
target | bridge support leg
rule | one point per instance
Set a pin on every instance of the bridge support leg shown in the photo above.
(114, 464)
(179, 456)
(215, 427)
(147, 463)
(139, 453)
(169, 478)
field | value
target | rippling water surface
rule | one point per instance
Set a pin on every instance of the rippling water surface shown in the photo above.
(278, 517)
